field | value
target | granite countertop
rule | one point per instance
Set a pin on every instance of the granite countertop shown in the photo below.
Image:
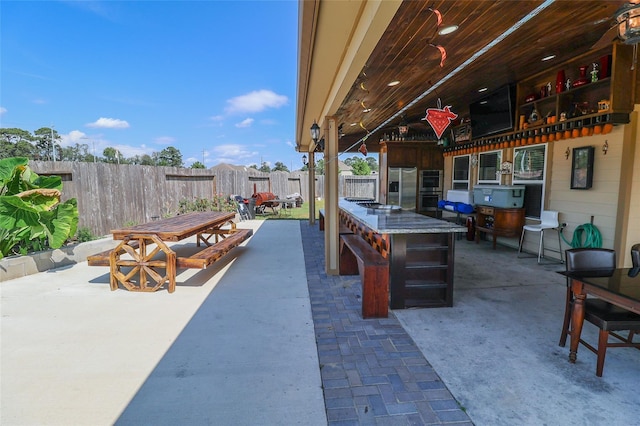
(403, 222)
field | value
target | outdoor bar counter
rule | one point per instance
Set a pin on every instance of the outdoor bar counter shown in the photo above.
(421, 253)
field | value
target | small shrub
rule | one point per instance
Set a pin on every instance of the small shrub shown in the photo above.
(84, 234)
(220, 203)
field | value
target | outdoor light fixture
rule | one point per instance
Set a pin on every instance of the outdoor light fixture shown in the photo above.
(315, 132)
(474, 160)
(448, 30)
(628, 19)
(605, 147)
(304, 159)
(403, 128)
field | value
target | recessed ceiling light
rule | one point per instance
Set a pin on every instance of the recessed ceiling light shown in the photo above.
(484, 89)
(448, 30)
(548, 58)
(393, 83)
(353, 124)
(366, 110)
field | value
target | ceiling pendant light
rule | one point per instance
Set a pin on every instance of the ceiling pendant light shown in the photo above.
(628, 19)
(403, 128)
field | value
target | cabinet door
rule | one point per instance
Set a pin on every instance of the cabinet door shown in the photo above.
(399, 156)
(509, 222)
(431, 158)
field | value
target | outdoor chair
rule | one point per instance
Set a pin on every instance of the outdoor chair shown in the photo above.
(607, 317)
(635, 255)
(548, 220)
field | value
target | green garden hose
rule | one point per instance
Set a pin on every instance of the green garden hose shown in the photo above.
(592, 237)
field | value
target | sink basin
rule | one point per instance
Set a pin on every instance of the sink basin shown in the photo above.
(384, 209)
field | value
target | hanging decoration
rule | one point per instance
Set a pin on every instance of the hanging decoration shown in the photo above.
(363, 149)
(443, 53)
(440, 118)
(438, 16)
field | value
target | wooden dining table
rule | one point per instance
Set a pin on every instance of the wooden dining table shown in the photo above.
(151, 262)
(620, 287)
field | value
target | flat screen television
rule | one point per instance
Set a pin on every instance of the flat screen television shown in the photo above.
(493, 113)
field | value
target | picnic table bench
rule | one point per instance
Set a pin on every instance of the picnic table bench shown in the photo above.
(144, 244)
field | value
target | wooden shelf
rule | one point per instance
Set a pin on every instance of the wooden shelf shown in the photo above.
(613, 88)
(423, 270)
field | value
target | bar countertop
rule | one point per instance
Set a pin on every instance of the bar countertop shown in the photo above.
(399, 222)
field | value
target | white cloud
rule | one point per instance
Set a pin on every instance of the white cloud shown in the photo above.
(165, 140)
(73, 137)
(39, 101)
(131, 151)
(256, 101)
(291, 144)
(247, 122)
(109, 123)
(232, 152)
(2, 110)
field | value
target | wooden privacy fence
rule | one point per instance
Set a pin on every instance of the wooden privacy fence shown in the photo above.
(112, 195)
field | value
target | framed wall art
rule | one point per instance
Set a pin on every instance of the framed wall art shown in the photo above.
(582, 167)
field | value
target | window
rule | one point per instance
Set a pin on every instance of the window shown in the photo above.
(461, 172)
(488, 165)
(529, 170)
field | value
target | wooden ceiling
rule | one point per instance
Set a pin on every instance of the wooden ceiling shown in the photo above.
(406, 53)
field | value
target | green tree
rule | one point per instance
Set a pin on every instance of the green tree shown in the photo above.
(254, 166)
(280, 167)
(265, 167)
(320, 167)
(77, 152)
(16, 143)
(373, 164)
(147, 160)
(46, 142)
(360, 167)
(111, 155)
(198, 165)
(170, 156)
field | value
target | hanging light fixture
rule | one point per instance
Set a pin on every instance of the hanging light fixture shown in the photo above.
(628, 19)
(403, 128)
(315, 132)
(304, 159)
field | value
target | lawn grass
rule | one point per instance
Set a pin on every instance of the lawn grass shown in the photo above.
(296, 213)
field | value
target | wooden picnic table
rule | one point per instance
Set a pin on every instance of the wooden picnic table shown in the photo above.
(144, 243)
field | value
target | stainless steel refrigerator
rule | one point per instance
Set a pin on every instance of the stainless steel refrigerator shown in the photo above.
(403, 185)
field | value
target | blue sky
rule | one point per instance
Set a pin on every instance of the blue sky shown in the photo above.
(215, 79)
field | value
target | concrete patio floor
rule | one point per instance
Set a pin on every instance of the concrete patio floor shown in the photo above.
(232, 345)
(242, 343)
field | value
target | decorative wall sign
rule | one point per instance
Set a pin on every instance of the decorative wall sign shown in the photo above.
(582, 167)
(440, 119)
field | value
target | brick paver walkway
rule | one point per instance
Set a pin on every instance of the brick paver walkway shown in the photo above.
(372, 371)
